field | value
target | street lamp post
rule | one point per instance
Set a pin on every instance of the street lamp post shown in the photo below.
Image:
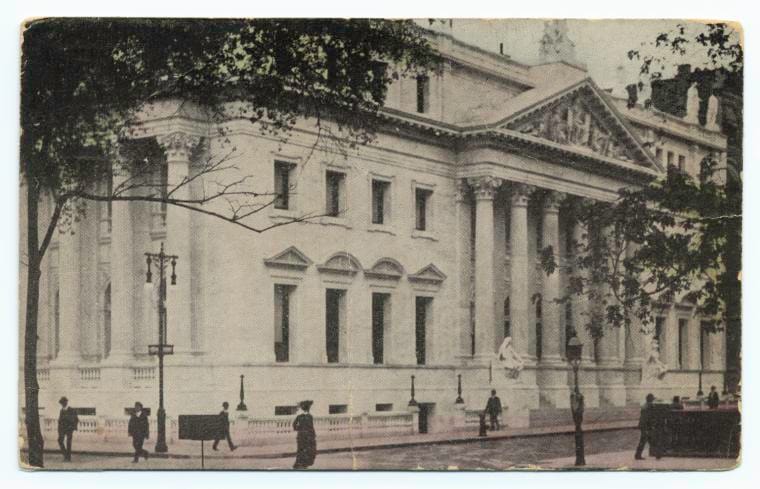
(161, 261)
(574, 352)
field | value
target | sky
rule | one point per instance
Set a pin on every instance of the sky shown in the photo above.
(601, 44)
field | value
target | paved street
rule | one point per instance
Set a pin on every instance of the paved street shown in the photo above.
(610, 449)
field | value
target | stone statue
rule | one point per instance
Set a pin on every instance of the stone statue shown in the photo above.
(653, 368)
(712, 114)
(692, 104)
(599, 140)
(558, 127)
(509, 359)
(581, 124)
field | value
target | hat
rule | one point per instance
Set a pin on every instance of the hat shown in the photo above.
(63, 400)
(305, 405)
(650, 397)
(138, 405)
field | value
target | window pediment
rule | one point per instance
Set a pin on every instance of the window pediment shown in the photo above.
(385, 269)
(341, 263)
(292, 258)
(428, 275)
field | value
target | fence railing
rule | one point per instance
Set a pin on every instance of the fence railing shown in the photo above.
(272, 430)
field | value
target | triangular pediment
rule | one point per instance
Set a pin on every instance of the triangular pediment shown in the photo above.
(385, 268)
(428, 274)
(291, 258)
(581, 119)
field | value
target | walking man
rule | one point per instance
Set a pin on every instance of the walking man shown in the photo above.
(646, 426)
(138, 430)
(493, 408)
(67, 425)
(225, 420)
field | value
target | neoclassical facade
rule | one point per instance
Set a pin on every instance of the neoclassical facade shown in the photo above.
(421, 260)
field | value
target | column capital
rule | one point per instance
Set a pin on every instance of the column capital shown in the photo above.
(552, 200)
(521, 194)
(178, 145)
(485, 187)
(462, 190)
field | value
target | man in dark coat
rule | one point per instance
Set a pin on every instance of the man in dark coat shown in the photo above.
(138, 430)
(646, 426)
(224, 416)
(713, 399)
(493, 408)
(67, 425)
(306, 438)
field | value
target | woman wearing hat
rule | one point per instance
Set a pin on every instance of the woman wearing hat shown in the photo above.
(306, 439)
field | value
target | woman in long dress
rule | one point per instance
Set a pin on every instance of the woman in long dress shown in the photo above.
(306, 438)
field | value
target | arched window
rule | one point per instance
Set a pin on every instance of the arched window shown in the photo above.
(107, 322)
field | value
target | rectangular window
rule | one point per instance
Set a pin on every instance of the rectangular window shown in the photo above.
(285, 410)
(683, 331)
(334, 321)
(380, 201)
(507, 323)
(282, 181)
(670, 158)
(384, 407)
(337, 409)
(658, 154)
(682, 163)
(539, 330)
(335, 192)
(421, 204)
(423, 94)
(659, 327)
(282, 311)
(422, 316)
(704, 338)
(569, 326)
(380, 316)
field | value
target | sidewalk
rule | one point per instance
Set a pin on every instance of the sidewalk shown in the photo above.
(192, 449)
(625, 461)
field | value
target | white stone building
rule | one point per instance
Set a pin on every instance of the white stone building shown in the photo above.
(424, 261)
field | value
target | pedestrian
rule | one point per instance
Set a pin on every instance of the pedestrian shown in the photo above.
(482, 429)
(646, 426)
(713, 400)
(224, 416)
(493, 408)
(306, 438)
(68, 422)
(138, 430)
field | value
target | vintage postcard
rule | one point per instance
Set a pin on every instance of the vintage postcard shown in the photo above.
(370, 244)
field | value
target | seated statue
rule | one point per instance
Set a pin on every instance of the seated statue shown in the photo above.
(509, 359)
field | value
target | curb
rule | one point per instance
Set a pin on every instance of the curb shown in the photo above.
(410, 443)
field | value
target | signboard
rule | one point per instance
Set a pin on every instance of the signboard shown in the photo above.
(201, 427)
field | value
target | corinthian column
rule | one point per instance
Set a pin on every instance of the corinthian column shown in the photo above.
(464, 264)
(178, 147)
(519, 294)
(122, 279)
(580, 302)
(551, 311)
(70, 296)
(485, 299)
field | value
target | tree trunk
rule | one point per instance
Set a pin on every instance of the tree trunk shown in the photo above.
(35, 443)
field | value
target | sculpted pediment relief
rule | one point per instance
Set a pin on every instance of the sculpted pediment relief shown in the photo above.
(577, 121)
